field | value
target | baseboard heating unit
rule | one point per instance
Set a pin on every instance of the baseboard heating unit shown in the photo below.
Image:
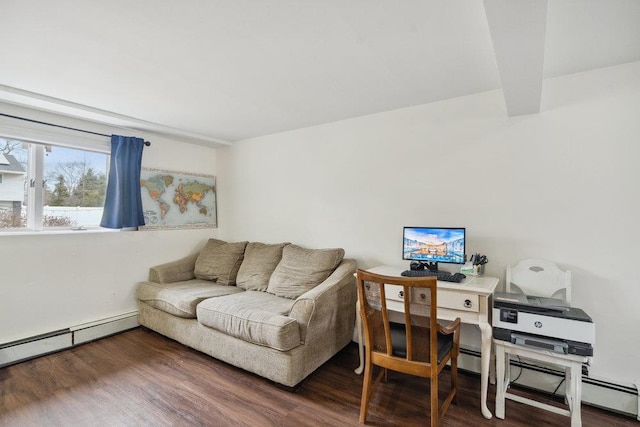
(39, 345)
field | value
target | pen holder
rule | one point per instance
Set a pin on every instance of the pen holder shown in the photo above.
(478, 270)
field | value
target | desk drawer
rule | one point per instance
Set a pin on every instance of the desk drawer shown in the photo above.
(457, 301)
(394, 292)
(450, 300)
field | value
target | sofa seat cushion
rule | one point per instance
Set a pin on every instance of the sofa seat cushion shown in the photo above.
(181, 298)
(252, 316)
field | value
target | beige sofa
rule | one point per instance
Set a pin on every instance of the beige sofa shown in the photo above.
(277, 310)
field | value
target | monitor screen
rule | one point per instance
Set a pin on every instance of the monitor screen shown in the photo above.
(431, 244)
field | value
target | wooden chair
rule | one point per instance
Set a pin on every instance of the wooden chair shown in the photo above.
(421, 346)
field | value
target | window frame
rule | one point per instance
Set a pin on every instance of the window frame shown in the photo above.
(35, 187)
(32, 125)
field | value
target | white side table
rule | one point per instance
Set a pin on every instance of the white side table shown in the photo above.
(572, 365)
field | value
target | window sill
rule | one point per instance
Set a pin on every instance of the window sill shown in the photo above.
(88, 230)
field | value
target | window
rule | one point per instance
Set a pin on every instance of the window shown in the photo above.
(50, 186)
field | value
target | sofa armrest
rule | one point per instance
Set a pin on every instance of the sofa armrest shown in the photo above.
(175, 271)
(329, 308)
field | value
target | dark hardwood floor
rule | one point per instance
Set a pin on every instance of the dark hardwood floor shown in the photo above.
(139, 378)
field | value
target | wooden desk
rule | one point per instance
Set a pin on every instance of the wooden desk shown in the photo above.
(468, 300)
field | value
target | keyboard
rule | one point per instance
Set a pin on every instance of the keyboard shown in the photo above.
(446, 277)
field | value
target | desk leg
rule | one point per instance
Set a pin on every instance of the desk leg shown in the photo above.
(360, 368)
(485, 330)
(501, 380)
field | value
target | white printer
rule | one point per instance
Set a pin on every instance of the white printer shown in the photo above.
(544, 323)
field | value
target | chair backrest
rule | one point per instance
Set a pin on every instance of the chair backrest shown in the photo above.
(404, 348)
(539, 277)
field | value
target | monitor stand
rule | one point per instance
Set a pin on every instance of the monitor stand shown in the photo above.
(421, 265)
(431, 266)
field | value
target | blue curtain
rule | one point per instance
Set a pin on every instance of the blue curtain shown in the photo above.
(123, 203)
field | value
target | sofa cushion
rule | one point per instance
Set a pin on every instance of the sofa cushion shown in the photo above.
(260, 260)
(175, 271)
(220, 261)
(252, 316)
(181, 298)
(302, 269)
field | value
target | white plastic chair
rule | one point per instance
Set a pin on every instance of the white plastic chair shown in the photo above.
(540, 278)
(544, 279)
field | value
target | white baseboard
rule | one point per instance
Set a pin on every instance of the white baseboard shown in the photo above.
(35, 346)
(39, 345)
(596, 392)
(103, 328)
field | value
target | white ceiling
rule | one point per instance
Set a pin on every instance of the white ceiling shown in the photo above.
(226, 70)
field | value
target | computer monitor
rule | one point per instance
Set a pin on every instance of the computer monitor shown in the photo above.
(431, 245)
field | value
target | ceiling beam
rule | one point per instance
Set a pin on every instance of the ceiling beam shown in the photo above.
(517, 30)
(35, 101)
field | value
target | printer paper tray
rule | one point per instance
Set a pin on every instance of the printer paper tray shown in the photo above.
(554, 345)
(543, 343)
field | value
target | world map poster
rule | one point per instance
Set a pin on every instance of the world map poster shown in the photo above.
(177, 199)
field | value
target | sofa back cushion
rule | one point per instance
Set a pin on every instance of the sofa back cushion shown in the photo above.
(220, 261)
(260, 260)
(302, 269)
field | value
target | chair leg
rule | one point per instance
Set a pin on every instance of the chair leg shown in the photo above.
(435, 408)
(368, 387)
(575, 384)
(366, 391)
(454, 379)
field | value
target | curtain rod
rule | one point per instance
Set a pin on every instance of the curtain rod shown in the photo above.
(147, 143)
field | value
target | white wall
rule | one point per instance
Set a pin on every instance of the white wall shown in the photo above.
(55, 281)
(561, 185)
